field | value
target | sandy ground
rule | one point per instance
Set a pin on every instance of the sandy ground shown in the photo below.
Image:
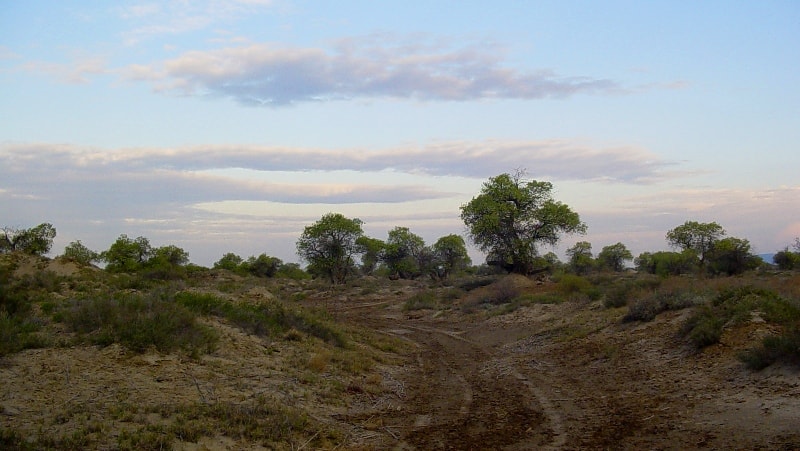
(549, 376)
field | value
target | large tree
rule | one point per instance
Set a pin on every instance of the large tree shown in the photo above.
(580, 257)
(511, 217)
(371, 250)
(449, 256)
(404, 253)
(732, 256)
(127, 254)
(329, 246)
(698, 237)
(78, 252)
(614, 257)
(35, 241)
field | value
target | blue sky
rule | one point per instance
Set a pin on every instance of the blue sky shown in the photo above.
(229, 125)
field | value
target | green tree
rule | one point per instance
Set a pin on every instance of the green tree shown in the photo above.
(169, 255)
(78, 252)
(697, 237)
(449, 256)
(404, 253)
(732, 256)
(263, 265)
(371, 250)
(511, 217)
(35, 241)
(229, 261)
(580, 257)
(786, 259)
(292, 271)
(614, 257)
(665, 263)
(165, 262)
(645, 263)
(126, 254)
(329, 246)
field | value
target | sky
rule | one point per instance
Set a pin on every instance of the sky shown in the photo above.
(230, 125)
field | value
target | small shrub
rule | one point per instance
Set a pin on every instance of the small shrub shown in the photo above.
(648, 307)
(505, 291)
(12, 440)
(18, 333)
(473, 283)
(704, 328)
(269, 318)
(572, 284)
(784, 347)
(139, 322)
(421, 301)
(619, 295)
(735, 306)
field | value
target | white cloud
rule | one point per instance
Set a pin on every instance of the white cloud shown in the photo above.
(275, 75)
(175, 17)
(77, 71)
(545, 159)
(187, 196)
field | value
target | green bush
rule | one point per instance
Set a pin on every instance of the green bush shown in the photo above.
(422, 300)
(735, 306)
(571, 284)
(619, 295)
(139, 322)
(704, 328)
(774, 348)
(18, 333)
(648, 307)
(270, 318)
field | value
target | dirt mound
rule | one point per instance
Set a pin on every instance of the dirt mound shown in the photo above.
(29, 265)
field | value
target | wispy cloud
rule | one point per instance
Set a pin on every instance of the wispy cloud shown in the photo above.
(274, 75)
(553, 159)
(78, 70)
(175, 17)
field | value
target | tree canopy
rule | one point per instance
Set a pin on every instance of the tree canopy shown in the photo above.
(614, 257)
(35, 241)
(580, 257)
(404, 253)
(512, 217)
(697, 237)
(329, 246)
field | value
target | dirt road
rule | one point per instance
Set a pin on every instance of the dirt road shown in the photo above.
(571, 376)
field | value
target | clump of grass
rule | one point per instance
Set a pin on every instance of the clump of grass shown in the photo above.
(421, 301)
(785, 347)
(148, 438)
(620, 294)
(526, 300)
(19, 332)
(571, 284)
(735, 306)
(576, 288)
(648, 307)
(261, 420)
(269, 318)
(139, 322)
(472, 283)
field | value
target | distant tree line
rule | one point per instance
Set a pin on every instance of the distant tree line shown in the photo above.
(509, 220)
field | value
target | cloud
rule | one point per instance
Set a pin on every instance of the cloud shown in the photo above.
(186, 196)
(176, 17)
(275, 75)
(77, 71)
(546, 159)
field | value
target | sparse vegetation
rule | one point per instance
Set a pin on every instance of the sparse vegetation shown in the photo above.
(165, 308)
(139, 322)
